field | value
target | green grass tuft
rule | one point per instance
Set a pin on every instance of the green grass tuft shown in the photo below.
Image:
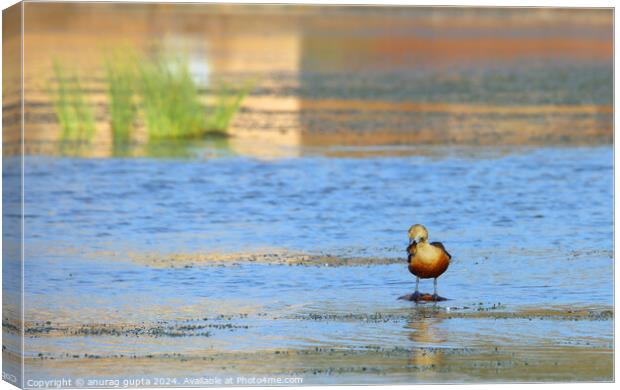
(170, 100)
(160, 93)
(227, 106)
(121, 76)
(74, 112)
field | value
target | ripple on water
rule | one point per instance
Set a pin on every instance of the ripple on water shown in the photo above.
(516, 224)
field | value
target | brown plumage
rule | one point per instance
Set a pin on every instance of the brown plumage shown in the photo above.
(426, 260)
(429, 270)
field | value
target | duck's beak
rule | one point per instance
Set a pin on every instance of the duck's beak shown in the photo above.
(411, 240)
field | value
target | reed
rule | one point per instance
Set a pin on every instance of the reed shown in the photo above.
(159, 92)
(71, 106)
(227, 105)
(121, 75)
(170, 100)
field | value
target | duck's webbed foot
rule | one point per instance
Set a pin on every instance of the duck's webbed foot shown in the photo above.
(437, 298)
(415, 297)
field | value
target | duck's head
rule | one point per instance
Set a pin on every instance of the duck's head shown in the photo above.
(418, 233)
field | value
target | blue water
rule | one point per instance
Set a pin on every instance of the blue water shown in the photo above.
(548, 198)
(531, 227)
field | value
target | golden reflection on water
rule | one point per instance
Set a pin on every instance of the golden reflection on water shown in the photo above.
(292, 50)
(426, 331)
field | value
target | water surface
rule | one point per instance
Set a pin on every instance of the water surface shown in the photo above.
(530, 231)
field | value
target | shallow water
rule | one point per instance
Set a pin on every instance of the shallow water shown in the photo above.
(544, 200)
(530, 231)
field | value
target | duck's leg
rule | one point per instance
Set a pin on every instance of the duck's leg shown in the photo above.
(435, 289)
(416, 294)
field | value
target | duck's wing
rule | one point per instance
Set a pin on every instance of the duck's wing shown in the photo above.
(440, 245)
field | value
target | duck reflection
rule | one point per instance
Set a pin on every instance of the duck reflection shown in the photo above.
(427, 334)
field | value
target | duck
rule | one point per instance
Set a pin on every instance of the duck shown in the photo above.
(426, 260)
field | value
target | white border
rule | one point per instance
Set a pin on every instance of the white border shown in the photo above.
(483, 3)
